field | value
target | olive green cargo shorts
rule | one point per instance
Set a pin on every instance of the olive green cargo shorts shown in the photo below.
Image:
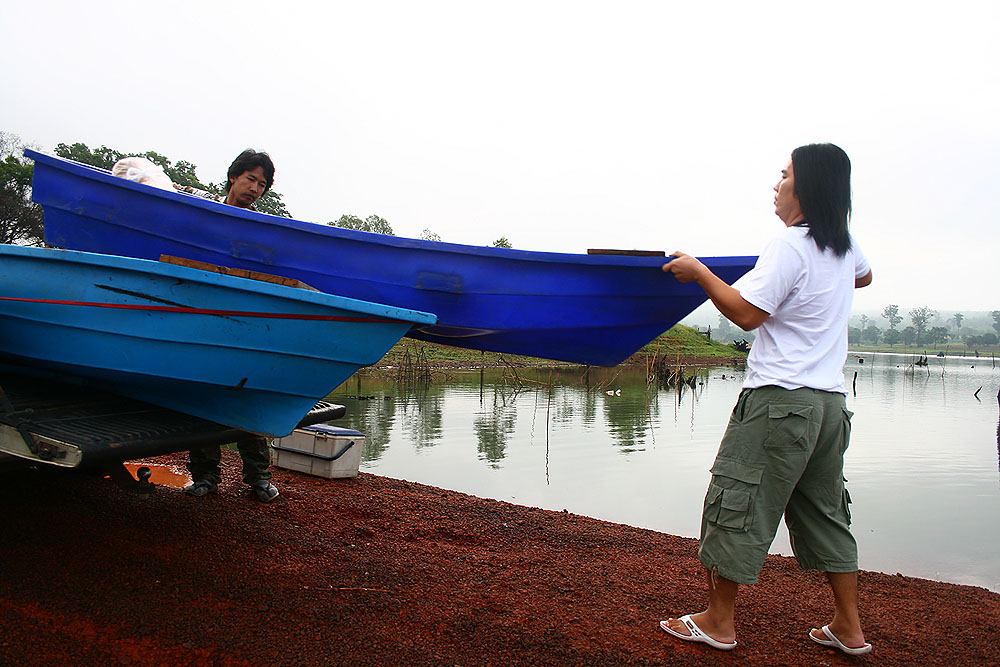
(783, 453)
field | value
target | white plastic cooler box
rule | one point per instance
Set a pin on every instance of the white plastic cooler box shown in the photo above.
(322, 450)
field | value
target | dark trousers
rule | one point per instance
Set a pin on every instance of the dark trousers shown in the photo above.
(204, 463)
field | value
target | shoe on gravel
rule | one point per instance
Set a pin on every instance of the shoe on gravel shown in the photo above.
(200, 487)
(266, 492)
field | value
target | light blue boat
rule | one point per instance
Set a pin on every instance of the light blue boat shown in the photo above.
(244, 353)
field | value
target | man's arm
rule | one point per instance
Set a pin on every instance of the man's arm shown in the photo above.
(863, 281)
(726, 298)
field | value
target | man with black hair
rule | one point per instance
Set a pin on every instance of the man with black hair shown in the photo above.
(250, 175)
(783, 451)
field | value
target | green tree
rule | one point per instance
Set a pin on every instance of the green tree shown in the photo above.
(270, 202)
(871, 334)
(102, 157)
(937, 335)
(21, 220)
(725, 332)
(502, 242)
(920, 317)
(957, 319)
(429, 235)
(990, 338)
(996, 320)
(181, 173)
(891, 314)
(891, 337)
(908, 336)
(864, 322)
(372, 223)
(853, 335)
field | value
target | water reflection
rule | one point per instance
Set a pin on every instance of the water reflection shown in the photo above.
(421, 408)
(494, 427)
(377, 417)
(629, 418)
(623, 402)
(372, 412)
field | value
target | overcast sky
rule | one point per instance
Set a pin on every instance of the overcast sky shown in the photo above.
(559, 125)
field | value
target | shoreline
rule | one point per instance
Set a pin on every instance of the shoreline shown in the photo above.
(380, 571)
(679, 345)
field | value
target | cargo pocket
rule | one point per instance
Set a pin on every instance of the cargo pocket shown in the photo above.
(787, 425)
(847, 504)
(730, 498)
(845, 439)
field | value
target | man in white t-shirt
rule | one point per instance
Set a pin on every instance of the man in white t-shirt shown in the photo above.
(783, 452)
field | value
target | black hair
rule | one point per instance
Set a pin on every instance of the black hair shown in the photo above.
(249, 160)
(823, 186)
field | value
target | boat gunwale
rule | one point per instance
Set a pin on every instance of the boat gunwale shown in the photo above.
(214, 279)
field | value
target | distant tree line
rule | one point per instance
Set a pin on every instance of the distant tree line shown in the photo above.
(922, 330)
(926, 328)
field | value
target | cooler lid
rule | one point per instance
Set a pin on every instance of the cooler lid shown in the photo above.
(332, 431)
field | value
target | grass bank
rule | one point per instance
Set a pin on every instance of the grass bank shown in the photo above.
(681, 344)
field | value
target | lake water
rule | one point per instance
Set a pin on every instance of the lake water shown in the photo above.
(922, 467)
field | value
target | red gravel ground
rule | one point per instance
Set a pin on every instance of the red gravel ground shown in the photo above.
(377, 571)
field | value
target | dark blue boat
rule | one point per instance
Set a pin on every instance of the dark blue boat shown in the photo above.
(592, 309)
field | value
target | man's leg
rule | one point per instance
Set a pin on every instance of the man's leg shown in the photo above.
(203, 464)
(718, 621)
(818, 518)
(846, 623)
(750, 486)
(256, 455)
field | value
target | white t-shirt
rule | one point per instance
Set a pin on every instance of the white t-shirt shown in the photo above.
(808, 294)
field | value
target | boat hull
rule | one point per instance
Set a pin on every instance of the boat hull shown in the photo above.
(591, 309)
(243, 353)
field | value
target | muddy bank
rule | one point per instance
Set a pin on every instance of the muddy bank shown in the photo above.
(376, 571)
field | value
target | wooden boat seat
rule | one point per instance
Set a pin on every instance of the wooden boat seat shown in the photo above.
(239, 273)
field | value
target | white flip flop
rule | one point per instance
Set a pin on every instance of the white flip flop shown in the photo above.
(833, 642)
(697, 635)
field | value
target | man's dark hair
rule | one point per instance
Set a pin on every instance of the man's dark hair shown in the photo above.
(249, 160)
(823, 186)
